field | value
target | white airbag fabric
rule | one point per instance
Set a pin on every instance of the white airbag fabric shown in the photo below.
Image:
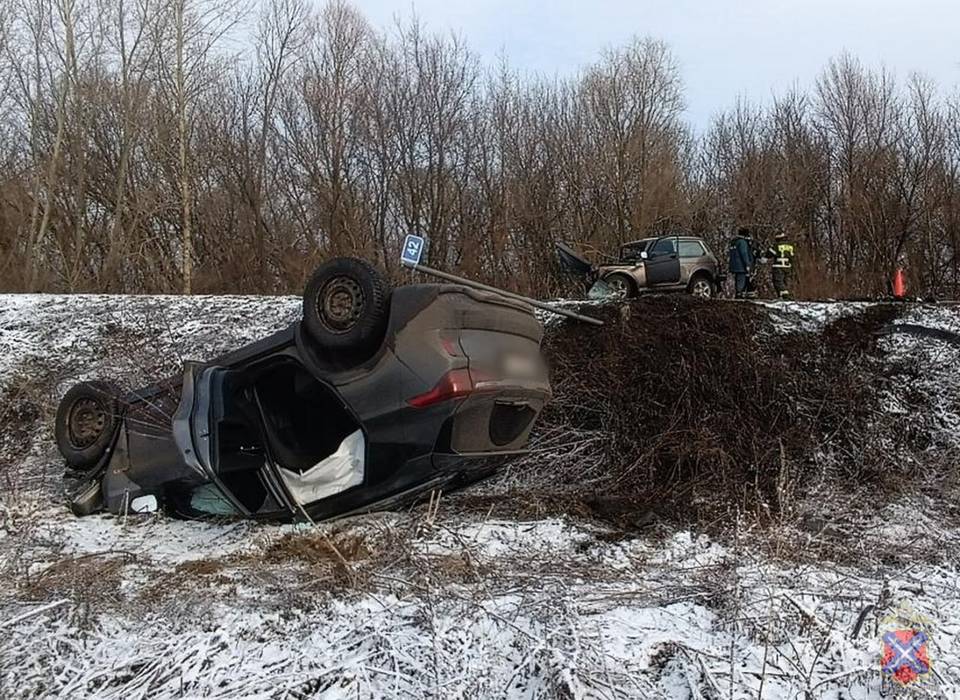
(330, 476)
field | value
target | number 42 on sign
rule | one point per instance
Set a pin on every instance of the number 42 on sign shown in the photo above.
(412, 250)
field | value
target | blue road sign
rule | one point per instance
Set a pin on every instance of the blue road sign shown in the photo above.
(412, 250)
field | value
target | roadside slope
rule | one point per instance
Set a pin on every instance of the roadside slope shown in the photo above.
(591, 568)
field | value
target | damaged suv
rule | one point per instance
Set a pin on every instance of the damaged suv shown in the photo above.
(665, 264)
(374, 397)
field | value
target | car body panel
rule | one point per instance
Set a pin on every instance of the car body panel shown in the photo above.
(574, 262)
(662, 266)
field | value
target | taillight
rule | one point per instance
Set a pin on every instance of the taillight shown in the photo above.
(455, 384)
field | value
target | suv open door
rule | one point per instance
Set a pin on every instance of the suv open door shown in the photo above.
(662, 262)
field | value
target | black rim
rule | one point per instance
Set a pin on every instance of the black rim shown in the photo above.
(340, 304)
(86, 422)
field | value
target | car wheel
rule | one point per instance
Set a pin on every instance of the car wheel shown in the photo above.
(621, 286)
(345, 308)
(86, 421)
(701, 287)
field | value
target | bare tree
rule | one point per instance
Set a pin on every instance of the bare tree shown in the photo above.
(143, 150)
(189, 33)
(633, 99)
(131, 40)
(282, 38)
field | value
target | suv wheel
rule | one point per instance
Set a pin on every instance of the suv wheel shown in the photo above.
(701, 287)
(621, 286)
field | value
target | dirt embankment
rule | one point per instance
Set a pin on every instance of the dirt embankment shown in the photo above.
(693, 410)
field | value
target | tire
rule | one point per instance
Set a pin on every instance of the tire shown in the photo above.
(345, 309)
(702, 287)
(86, 422)
(622, 286)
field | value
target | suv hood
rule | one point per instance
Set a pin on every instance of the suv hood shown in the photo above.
(572, 261)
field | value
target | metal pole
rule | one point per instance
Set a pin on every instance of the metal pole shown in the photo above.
(510, 295)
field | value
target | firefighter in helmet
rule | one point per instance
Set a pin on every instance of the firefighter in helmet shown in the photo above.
(782, 254)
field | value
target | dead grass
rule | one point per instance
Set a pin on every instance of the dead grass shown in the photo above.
(201, 567)
(316, 547)
(92, 579)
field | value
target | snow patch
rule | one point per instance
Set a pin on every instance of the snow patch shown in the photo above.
(808, 317)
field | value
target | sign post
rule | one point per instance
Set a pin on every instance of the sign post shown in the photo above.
(413, 246)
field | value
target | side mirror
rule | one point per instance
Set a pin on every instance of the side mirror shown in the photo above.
(643, 255)
(144, 504)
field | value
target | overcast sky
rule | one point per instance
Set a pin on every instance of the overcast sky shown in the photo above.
(726, 48)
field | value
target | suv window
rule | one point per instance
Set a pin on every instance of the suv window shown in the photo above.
(691, 249)
(664, 246)
(630, 252)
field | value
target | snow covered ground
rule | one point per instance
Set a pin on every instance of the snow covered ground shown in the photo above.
(441, 601)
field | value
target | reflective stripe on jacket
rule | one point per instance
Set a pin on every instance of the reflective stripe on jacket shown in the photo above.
(782, 254)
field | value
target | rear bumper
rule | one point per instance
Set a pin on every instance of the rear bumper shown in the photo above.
(498, 422)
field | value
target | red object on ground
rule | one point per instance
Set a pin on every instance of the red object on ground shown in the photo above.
(899, 284)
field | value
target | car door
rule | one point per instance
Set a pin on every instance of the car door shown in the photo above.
(228, 441)
(663, 262)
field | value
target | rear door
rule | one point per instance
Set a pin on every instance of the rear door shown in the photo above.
(663, 262)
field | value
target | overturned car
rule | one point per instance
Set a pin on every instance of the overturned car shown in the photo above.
(374, 397)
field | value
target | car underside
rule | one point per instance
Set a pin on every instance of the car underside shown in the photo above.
(306, 424)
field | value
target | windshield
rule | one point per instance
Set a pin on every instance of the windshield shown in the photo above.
(631, 251)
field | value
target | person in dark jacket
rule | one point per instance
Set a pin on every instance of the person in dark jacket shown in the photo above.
(782, 254)
(741, 261)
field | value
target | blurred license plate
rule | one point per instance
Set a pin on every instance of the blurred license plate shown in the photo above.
(520, 366)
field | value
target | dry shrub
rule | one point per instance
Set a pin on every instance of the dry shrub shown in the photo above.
(315, 547)
(201, 567)
(692, 409)
(25, 403)
(335, 555)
